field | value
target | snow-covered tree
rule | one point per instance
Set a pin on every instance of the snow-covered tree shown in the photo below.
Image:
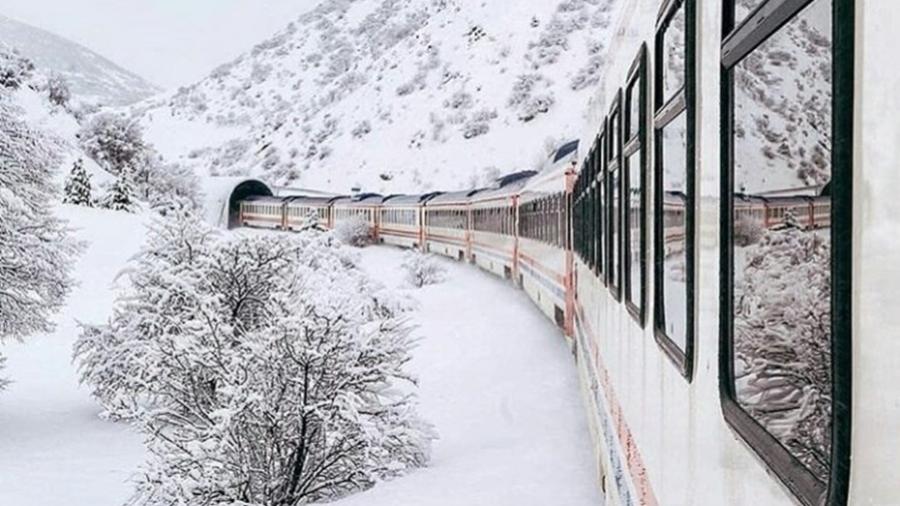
(354, 231)
(35, 251)
(171, 185)
(114, 142)
(120, 196)
(58, 90)
(78, 186)
(266, 371)
(782, 331)
(15, 69)
(422, 269)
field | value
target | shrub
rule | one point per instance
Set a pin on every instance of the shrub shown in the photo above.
(422, 269)
(15, 69)
(265, 370)
(353, 231)
(58, 90)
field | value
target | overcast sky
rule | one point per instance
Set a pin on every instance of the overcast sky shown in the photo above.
(169, 42)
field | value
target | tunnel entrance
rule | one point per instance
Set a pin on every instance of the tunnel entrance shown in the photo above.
(249, 188)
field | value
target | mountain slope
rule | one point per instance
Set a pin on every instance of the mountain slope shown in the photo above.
(392, 95)
(91, 77)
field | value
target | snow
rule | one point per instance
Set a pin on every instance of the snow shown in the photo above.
(56, 449)
(500, 387)
(292, 109)
(498, 381)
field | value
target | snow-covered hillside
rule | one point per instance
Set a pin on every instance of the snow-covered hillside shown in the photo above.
(93, 78)
(53, 126)
(392, 95)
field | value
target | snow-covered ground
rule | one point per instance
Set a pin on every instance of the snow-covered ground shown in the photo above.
(497, 381)
(54, 449)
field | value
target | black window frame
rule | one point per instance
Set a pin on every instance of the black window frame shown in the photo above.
(636, 82)
(614, 164)
(591, 225)
(599, 217)
(681, 102)
(738, 42)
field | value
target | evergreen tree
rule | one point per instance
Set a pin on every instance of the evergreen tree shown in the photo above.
(78, 186)
(120, 194)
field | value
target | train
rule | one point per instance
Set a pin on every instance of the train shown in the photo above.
(709, 247)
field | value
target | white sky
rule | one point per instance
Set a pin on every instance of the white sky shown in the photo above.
(169, 42)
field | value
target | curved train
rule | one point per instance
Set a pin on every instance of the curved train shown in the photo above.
(710, 249)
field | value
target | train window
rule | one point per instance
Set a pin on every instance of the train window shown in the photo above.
(674, 173)
(634, 174)
(592, 212)
(614, 191)
(599, 206)
(672, 51)
(786, 255)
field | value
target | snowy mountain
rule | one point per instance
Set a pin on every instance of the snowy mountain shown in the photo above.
(25, 100)
(392, 95)
(92, 78)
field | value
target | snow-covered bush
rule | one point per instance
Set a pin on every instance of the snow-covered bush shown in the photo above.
(266, 370)
(479, 124)
(172, 185)
(114, 142)
(78, 186)
(782, 328)
(460, 100)
(748, 230)
(354, 231)
(58, 90)
(422, 269)
(15, 69)
(362, 129)
(35, 251)
(526, 99)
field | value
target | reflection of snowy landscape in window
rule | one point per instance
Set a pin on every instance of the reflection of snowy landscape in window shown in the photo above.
(781, 236)
(673, 47)
(635, 231)
(674, 280)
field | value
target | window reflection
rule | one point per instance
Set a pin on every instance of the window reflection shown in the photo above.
(781, 235)
(635, 230)
(743, 8)
(633, 106)
(674, 200)
(673, 67)
(614, 226)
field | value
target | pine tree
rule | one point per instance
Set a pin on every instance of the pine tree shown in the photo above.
(78, 186)
(120, 194)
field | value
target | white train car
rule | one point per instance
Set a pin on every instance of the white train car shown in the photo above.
(364, 207)
(543, 259)
(493, 225)
(402, 218)
(300, 211)
(447, 225)
(705, 382)
(262, 212)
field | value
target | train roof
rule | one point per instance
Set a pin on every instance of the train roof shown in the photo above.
(321, 200)
(363, 199)
(287, 192)
(263, 199)
(565, 152)
(452, 197)
(510, 184)
(398, 200)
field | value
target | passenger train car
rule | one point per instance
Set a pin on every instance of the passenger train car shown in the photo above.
(716, 250)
